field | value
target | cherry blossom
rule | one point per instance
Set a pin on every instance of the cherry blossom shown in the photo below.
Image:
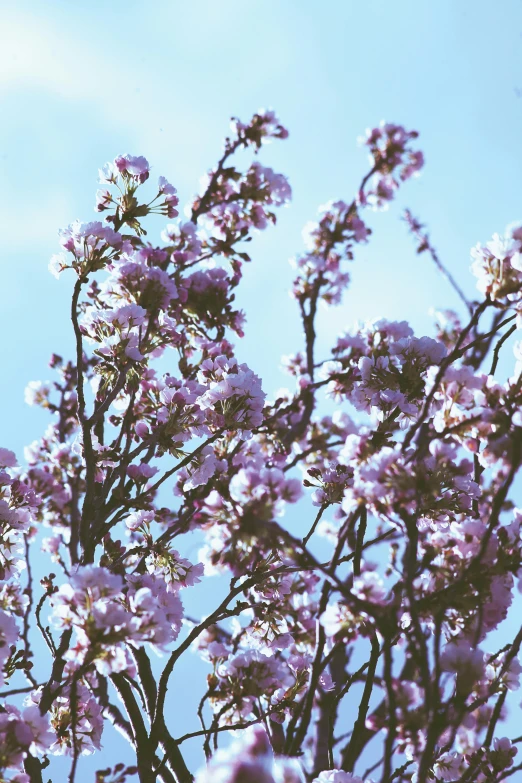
(361, 525)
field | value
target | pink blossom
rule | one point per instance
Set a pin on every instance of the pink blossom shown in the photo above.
(7, 459)
(459, 657)
(407, 446)
(136, 167)
(337, 776)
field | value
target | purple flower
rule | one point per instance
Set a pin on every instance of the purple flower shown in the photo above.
(7, 458)
(165, 187)
(136, 168)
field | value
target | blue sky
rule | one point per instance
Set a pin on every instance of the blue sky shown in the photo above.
(81, 82)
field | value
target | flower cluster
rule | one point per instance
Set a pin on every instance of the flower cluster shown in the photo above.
(90, 246)
(381, 368)
(18, 505)
(105, 614)
(497, 265)
(250, 758)
(22, 732)
(234, 397)
(393, 161)
(328, 242)
(434, 488)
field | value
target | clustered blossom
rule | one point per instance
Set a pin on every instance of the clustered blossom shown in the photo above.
(480, 411)
(246, 201)
(394, 486)
(234, 393)
(328, 242)
(9, 634)
(262, 128)
(22, 732)
(497, 265)
(338, 776)
(265, 487)
(90, 246)
(243, 679)
(76, 720)
(382, 368)
(332, 480)
(393, 162)
(105, 613)
(454, 766)
(251, 759)
(398, 452)
(18, 505)
(458, 656)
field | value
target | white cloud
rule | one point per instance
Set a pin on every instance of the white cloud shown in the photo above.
(50, 55)
(33, 53)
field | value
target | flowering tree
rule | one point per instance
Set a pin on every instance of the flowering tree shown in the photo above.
(410, 478)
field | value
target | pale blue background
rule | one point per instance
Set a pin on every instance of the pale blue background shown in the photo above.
(83, 81)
